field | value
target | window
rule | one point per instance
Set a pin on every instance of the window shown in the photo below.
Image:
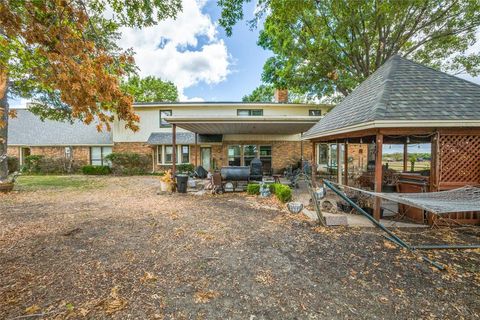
(185, 154)
(168, 154)
(249, 153)
(165, 154)
(266, 158)
(315, 113)
(249, 112)
(163, 122)
(242, 155)
(98, 154)
(234, 156)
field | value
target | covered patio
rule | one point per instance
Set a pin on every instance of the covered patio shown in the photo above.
(405, 103)
(262, 137)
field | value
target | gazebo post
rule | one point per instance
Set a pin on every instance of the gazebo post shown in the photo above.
(378, 174)
(174, 149)
(345, 162)
(405, 157)
(196, 149)
(339, 169)
(314, 161)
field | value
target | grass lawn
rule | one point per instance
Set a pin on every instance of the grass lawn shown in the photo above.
(57, 182)
(398, 165)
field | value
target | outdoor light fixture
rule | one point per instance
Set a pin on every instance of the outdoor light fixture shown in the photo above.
(361, 141)
(408, 139)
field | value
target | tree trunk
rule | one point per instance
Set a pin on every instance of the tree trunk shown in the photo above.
(3, 125)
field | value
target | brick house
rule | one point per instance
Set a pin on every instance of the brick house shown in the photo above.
(216, 134)
(29, 135)
(211, 134)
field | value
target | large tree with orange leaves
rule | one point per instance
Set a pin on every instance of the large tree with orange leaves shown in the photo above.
(62, 55)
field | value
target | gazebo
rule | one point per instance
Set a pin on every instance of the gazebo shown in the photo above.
(404, 102)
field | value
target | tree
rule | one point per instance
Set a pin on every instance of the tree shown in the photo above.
(262, 93)
(62, 54)
(150, 89)
(266, 93)
(328, 47)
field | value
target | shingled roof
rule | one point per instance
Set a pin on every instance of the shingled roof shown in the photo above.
(28, 130)
(402, 91)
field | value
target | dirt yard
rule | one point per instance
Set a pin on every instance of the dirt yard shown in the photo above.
(111, 247)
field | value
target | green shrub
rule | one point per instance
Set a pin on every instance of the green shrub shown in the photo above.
(253, 188)
(283, 192)
(129, 163)
(32, 164)
(185, 168)
(39, 164)
(13, 164)
(96, 170)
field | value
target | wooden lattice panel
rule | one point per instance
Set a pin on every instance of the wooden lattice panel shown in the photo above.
(459, 159)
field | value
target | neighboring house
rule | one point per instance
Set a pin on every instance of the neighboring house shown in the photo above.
(29, 135)
(227, 133)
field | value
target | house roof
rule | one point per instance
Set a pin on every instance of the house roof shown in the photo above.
(226, 103)
(29, 130)
(157, 138)
(403, 93)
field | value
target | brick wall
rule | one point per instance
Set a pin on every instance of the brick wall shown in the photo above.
(81, 155)
(13, 152)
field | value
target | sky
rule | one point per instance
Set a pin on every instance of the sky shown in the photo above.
(194, 52)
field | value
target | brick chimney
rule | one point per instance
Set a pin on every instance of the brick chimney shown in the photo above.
(281, 95)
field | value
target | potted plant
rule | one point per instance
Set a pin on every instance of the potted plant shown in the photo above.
(8, 185)
(166, 182)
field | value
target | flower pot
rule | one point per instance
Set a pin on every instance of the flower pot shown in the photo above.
(6, 187)
(166, 186)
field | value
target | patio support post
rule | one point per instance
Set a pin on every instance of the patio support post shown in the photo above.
(174, 149)
(405, 157)
(196, 149)
(345, 163)
(378, 174)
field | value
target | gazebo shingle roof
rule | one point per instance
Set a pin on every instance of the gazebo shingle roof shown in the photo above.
(404, 90)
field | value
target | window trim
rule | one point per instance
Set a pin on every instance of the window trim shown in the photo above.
(250, 112)
(160, 118)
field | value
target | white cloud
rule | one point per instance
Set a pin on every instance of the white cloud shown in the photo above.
(185, 51)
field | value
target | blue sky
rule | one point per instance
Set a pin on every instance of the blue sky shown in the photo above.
(247, 60)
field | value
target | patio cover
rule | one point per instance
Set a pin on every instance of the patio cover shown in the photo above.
(244, 125)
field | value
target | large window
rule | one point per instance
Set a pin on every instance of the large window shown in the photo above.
(165, 154)
(249, 153)
(98, 154)
(249, 112)
(234, 156)
(163, 122)
(242, 155)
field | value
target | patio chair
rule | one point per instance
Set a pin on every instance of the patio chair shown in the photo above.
(217, 183)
